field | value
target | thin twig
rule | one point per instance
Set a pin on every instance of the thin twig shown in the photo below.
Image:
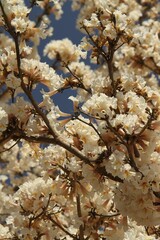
(79, 212)
(62, 228)
(92, 126)
(81, 85)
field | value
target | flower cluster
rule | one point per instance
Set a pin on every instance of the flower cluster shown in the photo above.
(93, 172)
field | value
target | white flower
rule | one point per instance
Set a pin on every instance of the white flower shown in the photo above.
(121, 20)
(20, 24)
(137, 105)
(4, 232)
(41, 72)
(3, 120)
(20, 109)
(117, 167)
(12, 81)
(132, 202)
(63, 49)
(129, 122)
(110, 31)
(84, 137)
(93, 22)
(135, 232)
(100, 105)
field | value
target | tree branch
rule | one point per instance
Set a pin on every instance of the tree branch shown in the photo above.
(81, 228)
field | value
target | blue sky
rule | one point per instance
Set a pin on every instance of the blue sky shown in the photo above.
(63, 28)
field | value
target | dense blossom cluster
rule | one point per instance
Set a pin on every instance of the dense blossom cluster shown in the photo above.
(92, 173)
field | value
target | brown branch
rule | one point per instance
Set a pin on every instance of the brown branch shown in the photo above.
(81, 85)
(7, 138)
(108, 215)
(7, 22)
(44, 117)
(114, 131)
(102, 171)
(108, 57)
(52, 141)
(92, 126)
(60, 227)
(79, 212)
(122, 141)
(139, 60)
(32, 2)
(148, 123)
(42, 213)
(38, 110)
(27, 92)
(7, 149)
(128, 146)
(100, 50)
(56, 139)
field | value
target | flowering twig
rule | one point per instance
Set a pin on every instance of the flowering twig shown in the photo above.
(60, 227)
(80, 83)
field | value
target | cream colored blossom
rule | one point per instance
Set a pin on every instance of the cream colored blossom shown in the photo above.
(56, 8)
(93, 22)
(12, 81)
(64, 50)
(128, 196)
(40, 72)
(4, 232)
(103, 105)
(92, 171)
(83, 136)
(3, 120)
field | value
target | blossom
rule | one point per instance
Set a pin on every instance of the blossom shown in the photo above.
(56, 9)
(64, 50)
(12, 81)
(91, 172)
(117, 166)
(83, 136)
(37, 71)
(3, 120)
(93, 22)
(4, 232)
(129, 122)
(145, 212)
(19, 24)
(136, 232)
(103, 105)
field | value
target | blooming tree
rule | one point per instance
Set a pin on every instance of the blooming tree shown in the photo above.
(93, 173)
